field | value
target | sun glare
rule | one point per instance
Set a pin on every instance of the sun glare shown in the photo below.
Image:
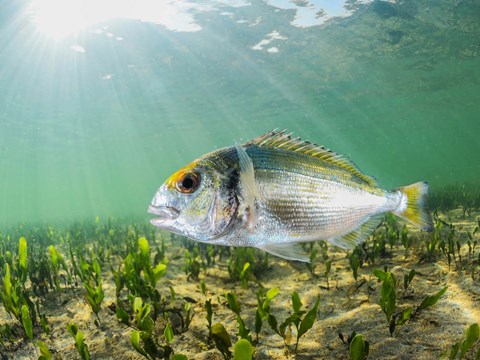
(60, 18)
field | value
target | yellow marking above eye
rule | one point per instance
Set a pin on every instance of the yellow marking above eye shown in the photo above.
(177, 178)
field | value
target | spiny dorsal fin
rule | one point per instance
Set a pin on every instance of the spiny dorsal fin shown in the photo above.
(281, 140)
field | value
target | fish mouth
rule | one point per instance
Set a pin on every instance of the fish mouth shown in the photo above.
(165, 213)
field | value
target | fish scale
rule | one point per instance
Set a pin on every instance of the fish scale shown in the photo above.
(308, 201)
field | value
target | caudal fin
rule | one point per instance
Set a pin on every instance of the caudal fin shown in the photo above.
(413, 209)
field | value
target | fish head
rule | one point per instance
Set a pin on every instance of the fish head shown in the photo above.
(197, 201)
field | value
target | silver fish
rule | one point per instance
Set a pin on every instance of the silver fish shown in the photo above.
(275, 192)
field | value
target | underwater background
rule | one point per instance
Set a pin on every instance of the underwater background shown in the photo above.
(101, 101)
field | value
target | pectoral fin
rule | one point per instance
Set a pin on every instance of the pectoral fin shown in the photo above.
(289, 251)
(249, 188)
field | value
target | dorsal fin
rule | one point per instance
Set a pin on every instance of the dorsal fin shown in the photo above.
(281, 140)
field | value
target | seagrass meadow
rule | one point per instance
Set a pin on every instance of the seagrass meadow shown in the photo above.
(101, 101)
(137, 293)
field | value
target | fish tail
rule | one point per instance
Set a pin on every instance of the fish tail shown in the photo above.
(412, 205)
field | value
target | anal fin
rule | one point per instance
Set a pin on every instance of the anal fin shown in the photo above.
(359, 235)
(288, 251)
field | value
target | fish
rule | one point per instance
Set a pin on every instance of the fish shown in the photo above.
(276, 192)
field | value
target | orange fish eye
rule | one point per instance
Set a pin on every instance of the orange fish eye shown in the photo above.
(188, 183)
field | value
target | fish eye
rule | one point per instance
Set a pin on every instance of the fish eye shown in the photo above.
(188, 183)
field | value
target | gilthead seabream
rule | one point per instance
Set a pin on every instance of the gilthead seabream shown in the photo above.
(275, 192)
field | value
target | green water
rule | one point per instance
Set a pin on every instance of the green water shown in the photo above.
(93, 121)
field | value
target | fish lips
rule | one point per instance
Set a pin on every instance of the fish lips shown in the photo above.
(166, 214)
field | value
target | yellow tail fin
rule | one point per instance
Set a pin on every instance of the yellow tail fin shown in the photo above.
(415, 212)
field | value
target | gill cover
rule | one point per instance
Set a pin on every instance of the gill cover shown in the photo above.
(205, 198)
